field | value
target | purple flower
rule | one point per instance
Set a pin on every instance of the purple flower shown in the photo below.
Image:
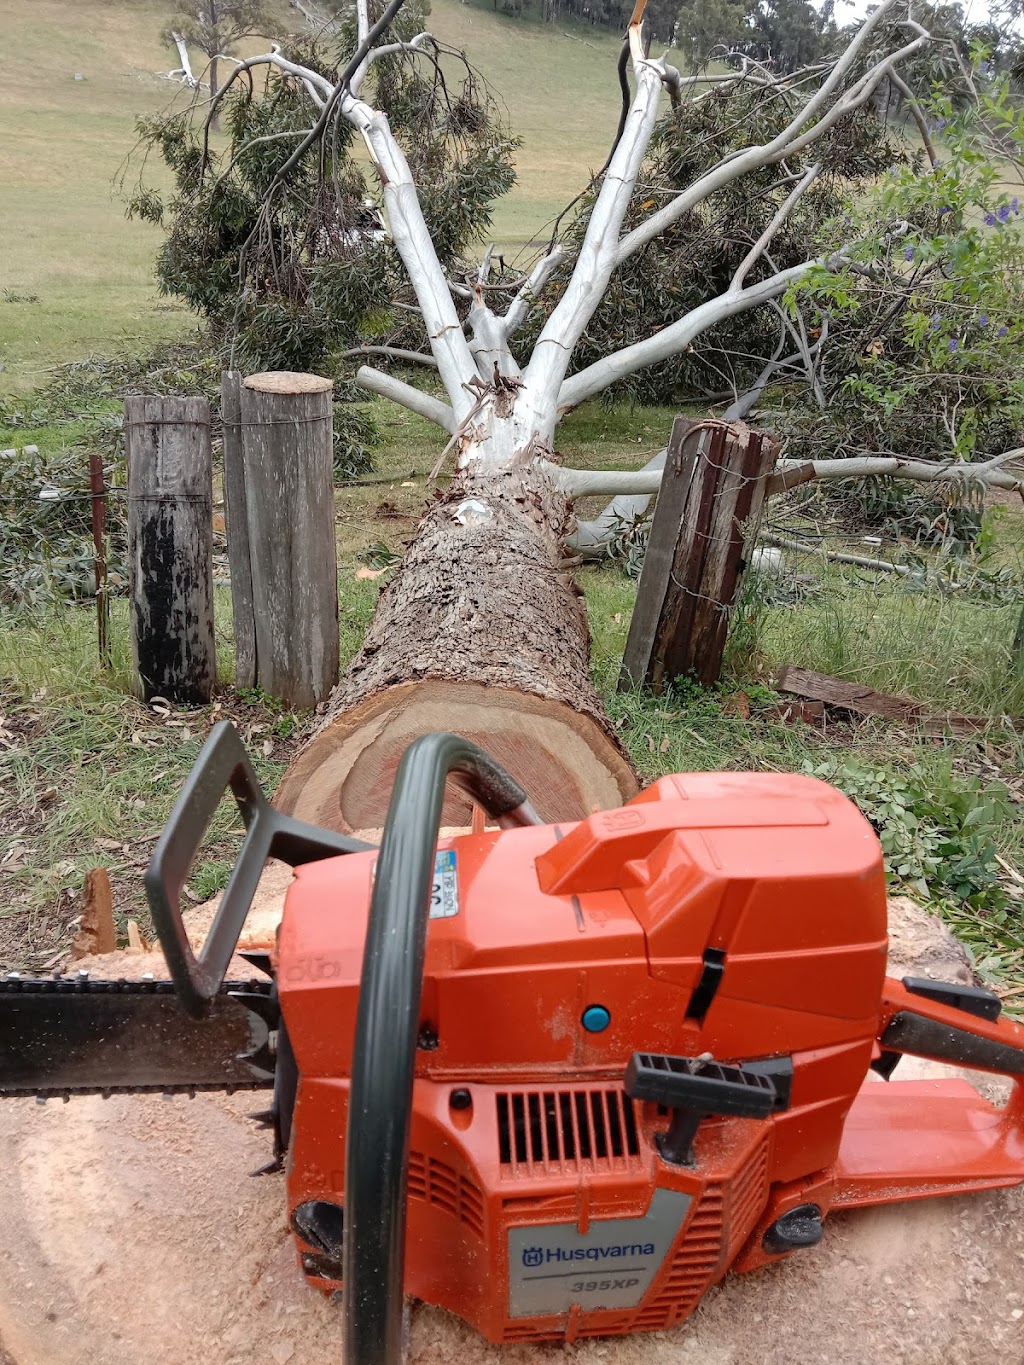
(953, 343)
(983, 320)
(1015, 205)
(946, 208)
(1003, 213)
(908, 255)
(936, 321)
(990, 220)
(1003, 331)
(983, 68)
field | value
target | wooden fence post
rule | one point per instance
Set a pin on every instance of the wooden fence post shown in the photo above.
(238, 530)
(170, 546)
(98, 493)
(287, 440)
(710, 500)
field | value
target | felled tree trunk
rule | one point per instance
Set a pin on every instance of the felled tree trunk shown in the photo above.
(481, 631)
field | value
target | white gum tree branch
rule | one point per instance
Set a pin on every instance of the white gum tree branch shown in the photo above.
(433, 409)
(597, 256)
(184, 71)
(674, 338)
(392, 353)
(781, 214)
(815, 117)
(411, 236)
(583, 483)
(500, 413)
(519, 309)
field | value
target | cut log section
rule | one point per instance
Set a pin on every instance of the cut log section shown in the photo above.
(343, 779)
(480, 631)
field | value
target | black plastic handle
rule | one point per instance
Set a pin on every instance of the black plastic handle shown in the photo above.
(387, 1028)
(223, 763)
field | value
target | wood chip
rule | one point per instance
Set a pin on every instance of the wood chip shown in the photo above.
(96, 926)
(135, 940)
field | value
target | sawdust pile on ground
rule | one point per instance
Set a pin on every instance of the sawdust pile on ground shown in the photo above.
(131, 1234)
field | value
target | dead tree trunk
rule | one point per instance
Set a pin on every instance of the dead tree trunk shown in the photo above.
(480, 631)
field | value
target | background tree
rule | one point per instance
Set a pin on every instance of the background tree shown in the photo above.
(707, 27)
(294, 267)
(215, 26)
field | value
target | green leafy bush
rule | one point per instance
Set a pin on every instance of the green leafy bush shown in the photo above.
(937, 836)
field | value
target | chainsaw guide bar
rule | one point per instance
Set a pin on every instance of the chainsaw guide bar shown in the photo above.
(65, 1036)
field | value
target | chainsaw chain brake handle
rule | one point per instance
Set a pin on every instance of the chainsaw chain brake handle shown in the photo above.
(387, 1028)
(223, 763)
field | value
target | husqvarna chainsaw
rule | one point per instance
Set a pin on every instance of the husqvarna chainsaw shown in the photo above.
(555, 1078)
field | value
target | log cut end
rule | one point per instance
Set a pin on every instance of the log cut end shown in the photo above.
(343, 779)
(288, 381)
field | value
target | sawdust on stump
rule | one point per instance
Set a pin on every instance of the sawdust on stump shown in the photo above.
(131, 1232)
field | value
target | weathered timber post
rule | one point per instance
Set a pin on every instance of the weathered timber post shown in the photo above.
(709, 504)
(287, 441)
(238, 530)
(98, 494)
(170, 546)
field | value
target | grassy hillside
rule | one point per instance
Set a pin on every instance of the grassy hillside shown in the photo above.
(76, 278)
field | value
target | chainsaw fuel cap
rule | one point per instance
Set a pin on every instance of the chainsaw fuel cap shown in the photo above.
(596, 1018)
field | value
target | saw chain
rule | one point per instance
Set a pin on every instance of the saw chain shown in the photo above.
(76, 1035)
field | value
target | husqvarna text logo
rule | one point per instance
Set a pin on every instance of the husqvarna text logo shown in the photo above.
(539, 1255)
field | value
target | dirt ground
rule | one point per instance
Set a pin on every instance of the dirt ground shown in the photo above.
(131, 1232)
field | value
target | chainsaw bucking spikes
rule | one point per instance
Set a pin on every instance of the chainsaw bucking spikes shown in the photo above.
(259, 958)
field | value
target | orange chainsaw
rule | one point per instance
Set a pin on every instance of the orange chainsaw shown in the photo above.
(558, 1079)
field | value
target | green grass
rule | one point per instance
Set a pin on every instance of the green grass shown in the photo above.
(61, 141)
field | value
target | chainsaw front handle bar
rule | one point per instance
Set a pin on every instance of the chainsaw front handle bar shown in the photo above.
(223, 763)
(388, 1026)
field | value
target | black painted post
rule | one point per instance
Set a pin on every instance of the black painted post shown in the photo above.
(170, 547)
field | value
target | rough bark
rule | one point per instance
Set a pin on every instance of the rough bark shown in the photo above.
(481, 631)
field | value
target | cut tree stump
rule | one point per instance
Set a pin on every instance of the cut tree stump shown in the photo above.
(481, 631)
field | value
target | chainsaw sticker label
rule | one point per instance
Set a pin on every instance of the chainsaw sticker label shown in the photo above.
(612, 1265)
(444, 891)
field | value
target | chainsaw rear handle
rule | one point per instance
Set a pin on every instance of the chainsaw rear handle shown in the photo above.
(387, 1030)
(222, 763)
(948, 1023)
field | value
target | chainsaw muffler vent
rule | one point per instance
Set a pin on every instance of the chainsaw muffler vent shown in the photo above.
(547, 1132)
